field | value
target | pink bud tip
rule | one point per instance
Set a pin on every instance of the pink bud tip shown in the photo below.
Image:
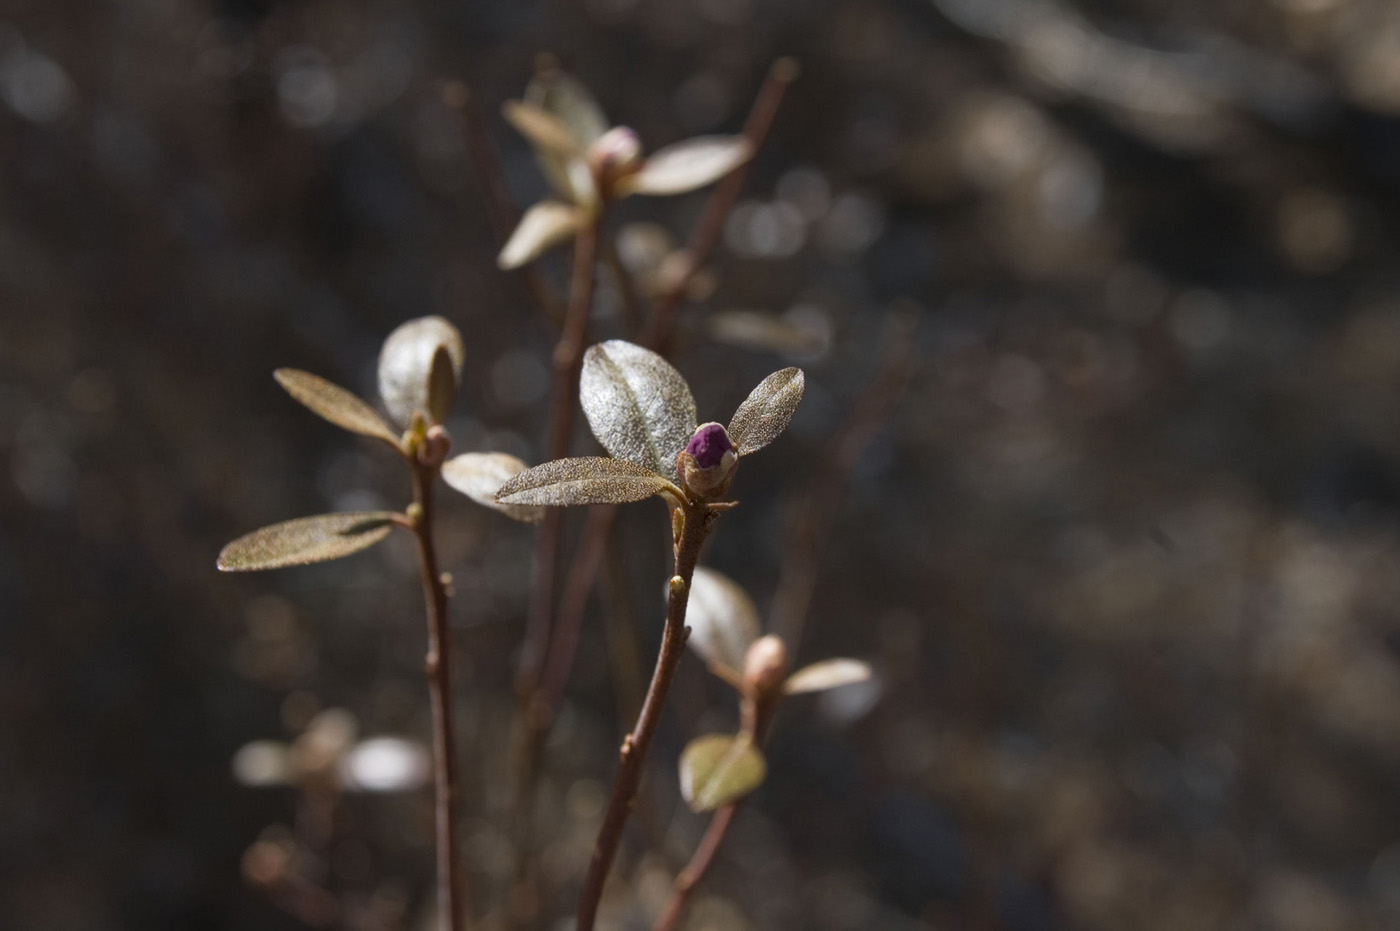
(708, 445)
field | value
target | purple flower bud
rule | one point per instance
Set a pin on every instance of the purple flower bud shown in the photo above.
(709, 444)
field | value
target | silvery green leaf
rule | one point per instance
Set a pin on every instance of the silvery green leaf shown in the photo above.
(480, 475)
(442, 386)
(588, 480)
(546, 132)
(335, 404)
(688, 165)
(544, 226)
(306, 540)
(767, 410)
(722, 618)
(406, 364)
(828, 674)
(640, 408)
(718, 769)
(563, 97)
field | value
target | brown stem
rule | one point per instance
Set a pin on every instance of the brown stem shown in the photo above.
(707, 232)
(504, 216)
(438, 667)
(698, 866)
(698, 521)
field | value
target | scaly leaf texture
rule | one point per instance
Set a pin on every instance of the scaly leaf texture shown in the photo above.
(306, 540)
(767, 411)
(587, 480)
(638, 405)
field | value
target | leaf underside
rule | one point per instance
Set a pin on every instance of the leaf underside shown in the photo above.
(828, 674)
(718, 769)
(480, 475)
(767, 411)
(638, 405)
(306, 540)
(335, 404)
(587, 480)
(722, 618)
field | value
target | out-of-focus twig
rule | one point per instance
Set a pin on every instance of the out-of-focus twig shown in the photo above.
(811, 528)
(458, 97)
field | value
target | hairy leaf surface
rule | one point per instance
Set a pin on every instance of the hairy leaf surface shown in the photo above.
(480, 475)
(587, 480)
(306, 540)
(767, 411)
(639, 406)
(335, 404)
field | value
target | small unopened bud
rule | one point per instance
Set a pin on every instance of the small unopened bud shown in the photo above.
(432, 452)
(616, 154)
(765, 665)
(706, 465)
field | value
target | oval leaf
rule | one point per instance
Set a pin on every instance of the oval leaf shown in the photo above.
(723, 620)
(718, 769)
(544, 226)
(406, 364)
(442, 386)
(480, 475)
(546, 132)
(767, 410)
(828, 674)
(306, 540)
(335, 404)
(640, 408)
(563, 97)
(688, 165)
(588, 480)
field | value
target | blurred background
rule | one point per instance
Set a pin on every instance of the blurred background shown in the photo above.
(1123, 553)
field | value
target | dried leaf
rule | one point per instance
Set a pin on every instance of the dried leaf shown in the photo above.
(767, 410)
(828, 674)
(544, 226)
(718, 769)
(722, 618)
(563, 97)
(335, 404)
(640, 408)
(688, 165)
(545, 131)
(306, 540)
(442, 386)
(480, 475)
(588, 480)
(406, 363)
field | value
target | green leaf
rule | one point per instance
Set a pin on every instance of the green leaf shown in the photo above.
(639, 407)
(335, 404)
(544, 226)
(718, 769)
(828, 674)
(588, 480)
(688, 165)
(406, 365)
(307, 540)
(722, 618)
(767, 410)
(480, 476)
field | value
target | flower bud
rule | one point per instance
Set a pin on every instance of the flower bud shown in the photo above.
(706, 465)
(406, 367)
(614, 155)
(432, 452)
(765, 665)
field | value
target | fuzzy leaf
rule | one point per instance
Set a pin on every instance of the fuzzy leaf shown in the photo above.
(406, 364)
(546, 132)
(688, 165)
(563, 97)
(718, 769)
(588, 480)
(640, 408)
(828, 674)
(480, 475)
(306, 540)
(335, 404)
(722, 618)
(767, 410)
(442, 386)
(544, 226)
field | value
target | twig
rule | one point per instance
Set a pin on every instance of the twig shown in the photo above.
(698, 866)
(504, 216)
(438, 667)
(811, 528)
(698, 521)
